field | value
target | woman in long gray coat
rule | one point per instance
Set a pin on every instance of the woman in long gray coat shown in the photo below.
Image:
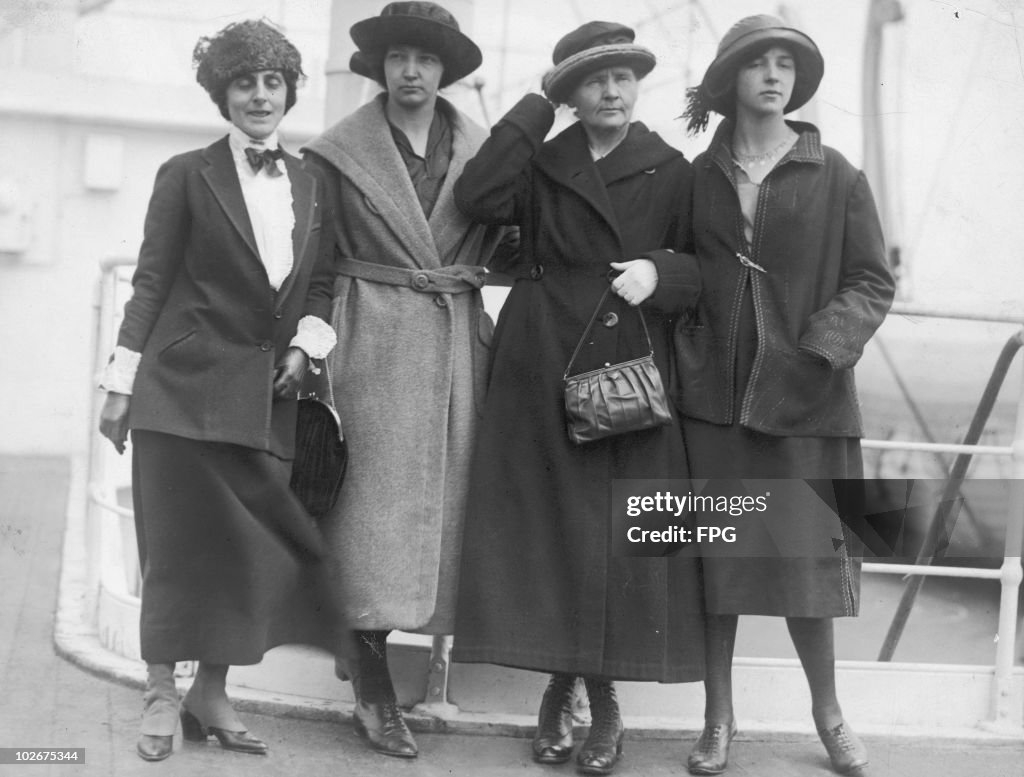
(412, 344)
(541, 587)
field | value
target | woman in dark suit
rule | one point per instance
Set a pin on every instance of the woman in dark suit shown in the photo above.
(229, 304)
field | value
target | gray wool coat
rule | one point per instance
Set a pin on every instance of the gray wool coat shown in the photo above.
(408, 372)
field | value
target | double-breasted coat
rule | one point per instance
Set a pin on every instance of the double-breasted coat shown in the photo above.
(408, 372)
(540, 585)
(219, 531)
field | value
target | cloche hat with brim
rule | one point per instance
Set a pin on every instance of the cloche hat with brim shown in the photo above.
(747, 39)
(414, 23)
(593, 46)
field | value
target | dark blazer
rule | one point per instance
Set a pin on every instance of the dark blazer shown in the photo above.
(203, 314)
(824, 290)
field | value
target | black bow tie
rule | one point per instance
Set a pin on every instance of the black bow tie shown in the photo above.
(264, 159)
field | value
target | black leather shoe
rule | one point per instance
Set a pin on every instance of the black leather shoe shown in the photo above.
(151, 747)
(192, 730)
(603, 747)
(845, 750)
(711, 753)
(384, 727)
(552, 744)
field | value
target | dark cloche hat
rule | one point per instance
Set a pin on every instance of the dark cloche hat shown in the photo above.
(746, 39)
(240, 48)
(414, 23)
(593, 46)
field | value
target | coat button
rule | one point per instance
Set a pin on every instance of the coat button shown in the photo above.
(266, 346)
(609, 320)
(420, 281)
(537, 272)
(440, 301)
(278, 314)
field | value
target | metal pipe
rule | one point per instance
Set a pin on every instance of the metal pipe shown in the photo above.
(941, 528)
(1011, 575)
(932, 447)
(932, 571)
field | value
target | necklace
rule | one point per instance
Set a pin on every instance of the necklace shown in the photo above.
(762, 158)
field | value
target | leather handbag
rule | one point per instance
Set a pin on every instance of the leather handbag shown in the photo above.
(321, 453)
(615, 399)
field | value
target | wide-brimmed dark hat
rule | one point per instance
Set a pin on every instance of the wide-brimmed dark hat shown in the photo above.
(745, 40)
(593, 46)
(414, 23)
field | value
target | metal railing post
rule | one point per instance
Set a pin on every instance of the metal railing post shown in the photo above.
(1010, 575)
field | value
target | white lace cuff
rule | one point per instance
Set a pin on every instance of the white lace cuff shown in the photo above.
(314, 336)
(119, 374)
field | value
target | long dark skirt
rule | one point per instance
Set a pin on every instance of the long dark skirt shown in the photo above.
(228, 554)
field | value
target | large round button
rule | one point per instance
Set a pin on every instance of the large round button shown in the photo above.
(609, 320)
(420, 281)
(537, 272)
(440, 301)
(266, 346)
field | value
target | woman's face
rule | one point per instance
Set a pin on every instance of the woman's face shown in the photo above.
(413, 76)
(604, 100)
(256, 101)
(764, 84)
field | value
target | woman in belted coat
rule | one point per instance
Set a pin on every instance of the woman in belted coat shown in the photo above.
(540, 586)
(412, 348)
(229, 302)
(795, 283)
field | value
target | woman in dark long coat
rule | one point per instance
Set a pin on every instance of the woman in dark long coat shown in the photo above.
(230, 300)
(540, 587)
(795, 283)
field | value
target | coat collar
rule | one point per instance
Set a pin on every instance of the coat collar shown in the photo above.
(360, 146)
(222, 178)
(807, 148)
(566, 160)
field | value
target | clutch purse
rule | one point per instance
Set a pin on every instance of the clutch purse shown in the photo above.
(616, 399)
(321, 453)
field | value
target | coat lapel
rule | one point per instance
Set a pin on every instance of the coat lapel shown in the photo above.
(222, 178)
(362, 148)
(304, 207)
(447, 225)
(566, 159)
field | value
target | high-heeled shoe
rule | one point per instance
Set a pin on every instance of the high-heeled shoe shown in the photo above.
(603, 746)
(552, 743)
(159, 714)
(711, 753)
(193, 730)
(845, 750)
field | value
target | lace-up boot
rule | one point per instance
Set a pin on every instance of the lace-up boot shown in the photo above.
(603, 747)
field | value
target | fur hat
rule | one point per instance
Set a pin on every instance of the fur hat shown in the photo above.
(245, 47)
(745, 40)
(593, 46)
(413, 23)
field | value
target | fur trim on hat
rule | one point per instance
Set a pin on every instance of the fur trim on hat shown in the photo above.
(245, 47)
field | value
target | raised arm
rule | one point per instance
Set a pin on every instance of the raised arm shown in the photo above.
(494, 185)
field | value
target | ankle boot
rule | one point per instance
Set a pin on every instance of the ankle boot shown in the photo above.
(603, 747)
(159, 713)
(376, 715)
(552, 744)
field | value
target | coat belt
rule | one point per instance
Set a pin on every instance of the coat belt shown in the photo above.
(451, 279)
